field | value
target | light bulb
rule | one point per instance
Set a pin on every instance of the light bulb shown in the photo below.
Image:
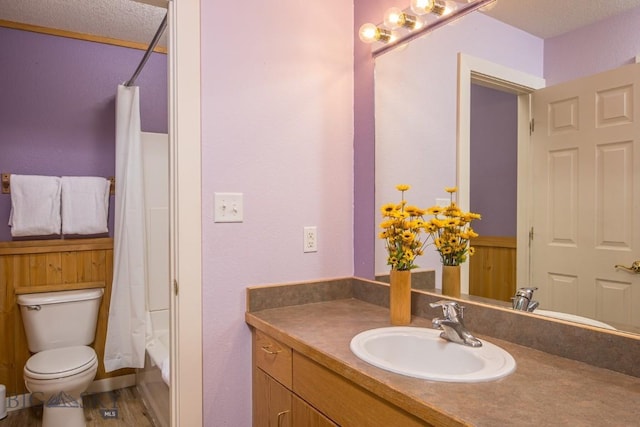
(394, 18)
(422, 7)
(369, 33)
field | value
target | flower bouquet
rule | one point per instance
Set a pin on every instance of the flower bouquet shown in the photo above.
(402, 227)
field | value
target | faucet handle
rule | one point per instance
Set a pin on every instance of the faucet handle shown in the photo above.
(526, 292)
(450, 309)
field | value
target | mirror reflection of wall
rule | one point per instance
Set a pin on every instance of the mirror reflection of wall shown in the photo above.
(494, 179)
(494, 154)
(415, 101)
(416, 90)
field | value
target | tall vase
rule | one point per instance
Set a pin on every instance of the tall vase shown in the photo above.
(400, 297)
(451, 280)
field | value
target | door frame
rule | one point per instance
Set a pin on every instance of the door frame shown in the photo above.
(485, 73)
(185, 230)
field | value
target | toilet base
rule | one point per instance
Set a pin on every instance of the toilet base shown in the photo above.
(63, 416)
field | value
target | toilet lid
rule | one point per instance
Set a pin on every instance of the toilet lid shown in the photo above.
(60, 362)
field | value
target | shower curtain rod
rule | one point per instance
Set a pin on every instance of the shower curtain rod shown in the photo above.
(152, 46)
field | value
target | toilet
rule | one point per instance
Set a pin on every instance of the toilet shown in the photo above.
(59, 328)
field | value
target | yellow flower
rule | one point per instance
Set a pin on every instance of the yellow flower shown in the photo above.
(434, 210)
(451, 231)
(418, 223)
(408, 236)
(412, 210)
(388, 209)
(429, 227)
(387, 224)
(402, 227)
(451, 222)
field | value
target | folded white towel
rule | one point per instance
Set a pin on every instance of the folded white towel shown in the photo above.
(85, 205)
(35, 205)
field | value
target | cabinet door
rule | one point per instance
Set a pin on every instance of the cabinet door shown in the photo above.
(271, 402)
(305, 415)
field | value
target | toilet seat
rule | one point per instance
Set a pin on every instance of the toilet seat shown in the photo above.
(60, 362)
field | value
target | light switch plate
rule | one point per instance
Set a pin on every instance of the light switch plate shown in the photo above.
(228, 207)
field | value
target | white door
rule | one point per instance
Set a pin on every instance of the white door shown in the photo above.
(586, 202)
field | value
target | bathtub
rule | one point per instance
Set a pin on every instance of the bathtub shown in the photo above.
(153, 380)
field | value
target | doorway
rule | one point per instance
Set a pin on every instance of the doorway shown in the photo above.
(488, 74)
(493, 187)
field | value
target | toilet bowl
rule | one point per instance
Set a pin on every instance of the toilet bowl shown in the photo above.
(58, 378)
(59, 327)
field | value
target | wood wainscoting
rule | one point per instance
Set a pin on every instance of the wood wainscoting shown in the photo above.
(44, 266)
(492, 269)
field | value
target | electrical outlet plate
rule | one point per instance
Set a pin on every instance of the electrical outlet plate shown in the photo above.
(310, 239)
(228, 207)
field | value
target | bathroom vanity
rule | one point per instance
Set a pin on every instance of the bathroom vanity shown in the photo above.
(305, 373)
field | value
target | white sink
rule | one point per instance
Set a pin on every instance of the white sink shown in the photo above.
(573, 318)
(421, 353)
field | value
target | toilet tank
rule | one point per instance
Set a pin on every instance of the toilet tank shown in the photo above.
(60, 319)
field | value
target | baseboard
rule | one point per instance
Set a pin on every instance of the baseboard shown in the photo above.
(17, 402)
(22, 401)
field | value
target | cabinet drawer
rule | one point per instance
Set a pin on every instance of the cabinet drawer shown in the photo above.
(273, 357)
(345, 402)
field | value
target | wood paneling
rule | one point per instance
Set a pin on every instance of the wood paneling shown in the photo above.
(45, 266)
(492, 269)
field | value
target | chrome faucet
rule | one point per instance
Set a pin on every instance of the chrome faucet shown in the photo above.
(452, 326)
(522, 300)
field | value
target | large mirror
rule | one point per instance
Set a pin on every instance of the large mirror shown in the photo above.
(431, 108)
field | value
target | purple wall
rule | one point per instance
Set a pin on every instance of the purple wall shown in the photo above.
(57, 106)
(599, 47)
(365, 212)
(494, 161)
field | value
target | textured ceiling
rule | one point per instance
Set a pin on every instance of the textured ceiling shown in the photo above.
(137, 21)
(128, 20)
(549, 18)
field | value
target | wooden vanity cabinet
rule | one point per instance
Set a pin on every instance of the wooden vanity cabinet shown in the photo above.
(291, 390)
(274, 404)
(271, 401)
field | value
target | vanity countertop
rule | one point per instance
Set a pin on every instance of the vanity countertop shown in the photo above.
(545, 390)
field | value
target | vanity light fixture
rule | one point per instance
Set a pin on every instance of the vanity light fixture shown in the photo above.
(403, 25)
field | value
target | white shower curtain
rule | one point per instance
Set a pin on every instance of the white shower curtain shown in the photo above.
(125, 344)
